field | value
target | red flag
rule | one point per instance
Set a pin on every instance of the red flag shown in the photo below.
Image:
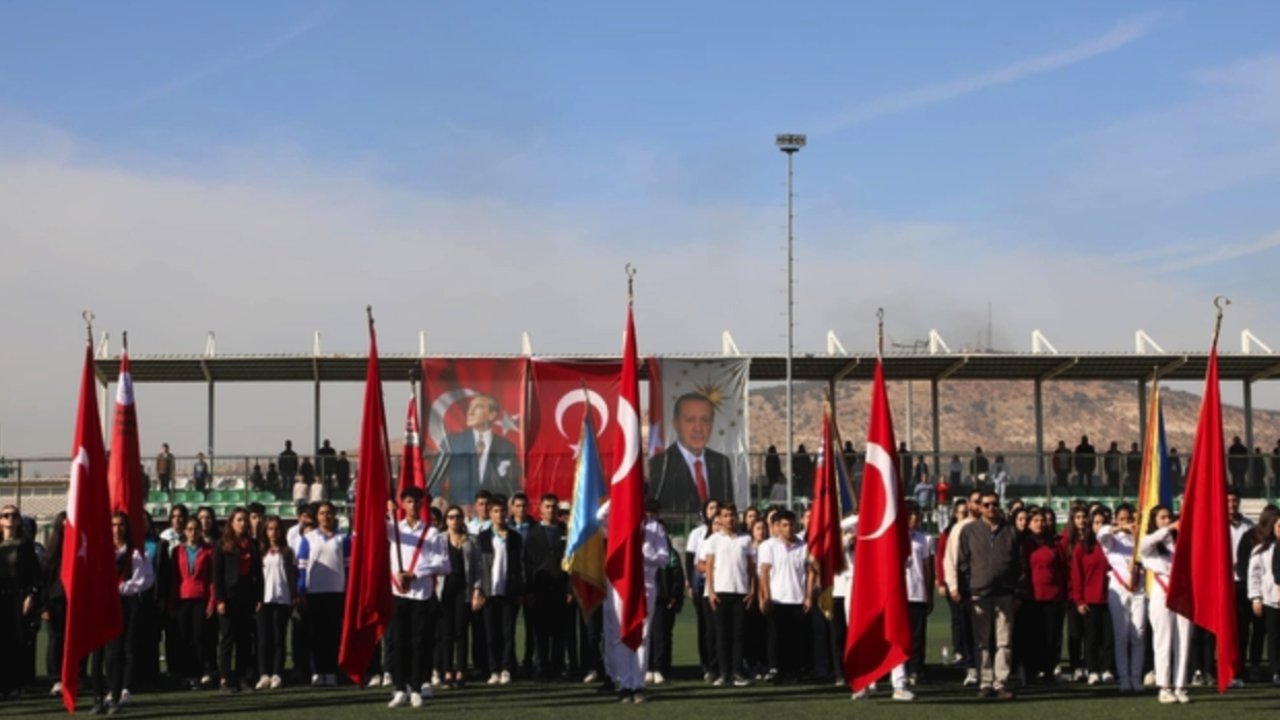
(450, 387)
(1201, 585)
(557, 405)
(368, 603)
(879, 636)
(88, 555)
(124, 468)
(624, 563)
(657, 434)
(411, 473)
(824, 535)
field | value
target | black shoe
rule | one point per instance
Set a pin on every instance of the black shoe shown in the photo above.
(1003, 694)
(624, 696)
(638, 698)
(113, 708)
(607, 686)
(98, 708)
(986, 693)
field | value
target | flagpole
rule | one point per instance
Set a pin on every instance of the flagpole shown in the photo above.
(1219, 302)
(880, 333)
(368, 311)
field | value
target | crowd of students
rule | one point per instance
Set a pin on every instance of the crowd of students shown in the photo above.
(219, 602)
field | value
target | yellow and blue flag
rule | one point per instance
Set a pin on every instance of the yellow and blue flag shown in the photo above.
(1156, 487)
(585, 548)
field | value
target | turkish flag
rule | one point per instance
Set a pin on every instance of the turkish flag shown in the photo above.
(624, 562)
(411, 471)
(88, 556)
(450, 387)
(561, 392)
(879, 636)
(824, 534)
(368, 599)
(1201, 585)
(124, 468)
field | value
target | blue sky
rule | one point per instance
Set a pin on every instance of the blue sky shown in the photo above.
(1088, 168)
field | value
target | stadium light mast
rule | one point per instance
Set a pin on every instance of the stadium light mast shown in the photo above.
(790, 144)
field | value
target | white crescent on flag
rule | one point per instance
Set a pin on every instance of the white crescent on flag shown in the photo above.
(581, 397)
(79, 469)
(629, 424)
(882, 461)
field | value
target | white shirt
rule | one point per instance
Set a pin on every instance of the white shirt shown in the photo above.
(140, 576)
(733, 555)
(697, 536)
(952, 553)
(323, 559)
(1118, 547)
(1238, 531)
(485, 437)
(922, 551)
(173, 537)
(432, 559)
(656, 551)
(275, 579)
(294, 538)
(1153, 559)
(1261, 584)
(499, 577)
(787, 564)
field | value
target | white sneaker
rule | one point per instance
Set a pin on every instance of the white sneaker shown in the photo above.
(1167, 697)
(1078, 675)
(648, 678)
(971, 678)
(208, 679)
(591, 677)
(56, 689)
(264, 683)
(276, 682)
(435, 679)
(903, 694)
(860, 695)
(658, 679)
(125, 697)
(398, 700)
(375, 681)
(505, 679)
(1149, 680)
(317, 680)
(415, 699)
(1094, 679)
(1107, 677)
(493, 679)
(387, 681)
(1235, 683)
(1182, 695)
(426, 692)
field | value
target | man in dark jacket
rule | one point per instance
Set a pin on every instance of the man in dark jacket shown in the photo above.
(991, 578)
(1237, 462)
(548, 587)
(689, 473)
(1111, 463)
(1086, 461)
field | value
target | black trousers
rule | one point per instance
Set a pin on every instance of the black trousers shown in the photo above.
(755, 640)
(1252, 630)
(273, 625)
(590, 630)
(548, 627)
(1075, 635)
(817, 640)
(1203, 651)
(1271, 618)
(730, 618)
(500, 629)
(11, 625)
(411, 649)
(324, 621)
(300, 643)
(57, 629)
(455, 617)
(660, 637)
(788, 642)
(839, 633)
(189, 621)
(1046, 634)
(707, 645)
(235, 627)
(117, 655)
(918, 616)
(1095, 624)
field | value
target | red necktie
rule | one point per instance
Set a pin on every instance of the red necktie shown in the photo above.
(700, 480)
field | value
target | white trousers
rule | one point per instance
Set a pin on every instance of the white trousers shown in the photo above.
(1171, 641)
(624, 665)
(1128, 623)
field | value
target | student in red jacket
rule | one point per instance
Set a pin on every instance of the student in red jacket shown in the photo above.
(1072, 536)
(1089, 572)
(1047, 568)
(192, 603)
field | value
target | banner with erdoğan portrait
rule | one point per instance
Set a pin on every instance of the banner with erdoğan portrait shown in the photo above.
(475, 426)
(561, 394)
(705, 433)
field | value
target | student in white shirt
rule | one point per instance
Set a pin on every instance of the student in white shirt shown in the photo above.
(1126, 599)
(1170, 632)
(503, 587)
(786, 595)
(697, 589)
(1264, 594)
(324, 556)
(135, 576)
(418, 556)
(730, 585)
(279, 577)
(920, 581)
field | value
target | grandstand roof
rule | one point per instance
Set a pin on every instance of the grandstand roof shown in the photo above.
(764, 367)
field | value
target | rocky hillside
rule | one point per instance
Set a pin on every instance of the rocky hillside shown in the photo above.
(998, 415)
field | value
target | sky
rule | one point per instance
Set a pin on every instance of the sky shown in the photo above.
(478, 170)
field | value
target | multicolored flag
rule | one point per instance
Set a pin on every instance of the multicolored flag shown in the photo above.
(624, 561)
(879, 631)
(585, 548)
(124, 467)
(1156, 486)
(1201, 585)
(368, 602)
(88, 556)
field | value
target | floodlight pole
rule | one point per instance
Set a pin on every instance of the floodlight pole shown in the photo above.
(790, 144)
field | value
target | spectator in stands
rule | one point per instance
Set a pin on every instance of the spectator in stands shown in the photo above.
(164, 468)
(324, 557)
(801, 466)
(772, 466)
(955, 471)
(1133, 466)
(979, 467)
(1086, 461)
(1000, 477)
(1275, 463)
(850, 459)
(306, 471)
(256, 479)
(905, 464)
(326, 462)
(1257, 469)
(19, 595)
(1112, 462)
(193, 604)
(200, 474)
(921, 471)
(1175, 470)
(924, 492)
(1061, 464)
(1238, 462)
(273, 477)
(342, 471)
(288, 463)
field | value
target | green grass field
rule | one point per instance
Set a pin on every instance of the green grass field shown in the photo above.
(686, 696)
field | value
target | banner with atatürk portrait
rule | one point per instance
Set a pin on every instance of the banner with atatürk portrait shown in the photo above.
(704, 429)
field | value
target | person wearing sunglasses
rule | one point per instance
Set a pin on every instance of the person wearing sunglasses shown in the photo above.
(460, 599)
(19, 592)
(992, 579)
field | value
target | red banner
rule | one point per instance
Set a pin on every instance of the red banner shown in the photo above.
(475, 426)
(557, 406)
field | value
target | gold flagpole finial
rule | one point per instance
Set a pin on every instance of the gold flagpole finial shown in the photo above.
(88, 317)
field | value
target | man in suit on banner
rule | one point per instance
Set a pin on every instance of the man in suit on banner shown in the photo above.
(478, 458)
(689, 473)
